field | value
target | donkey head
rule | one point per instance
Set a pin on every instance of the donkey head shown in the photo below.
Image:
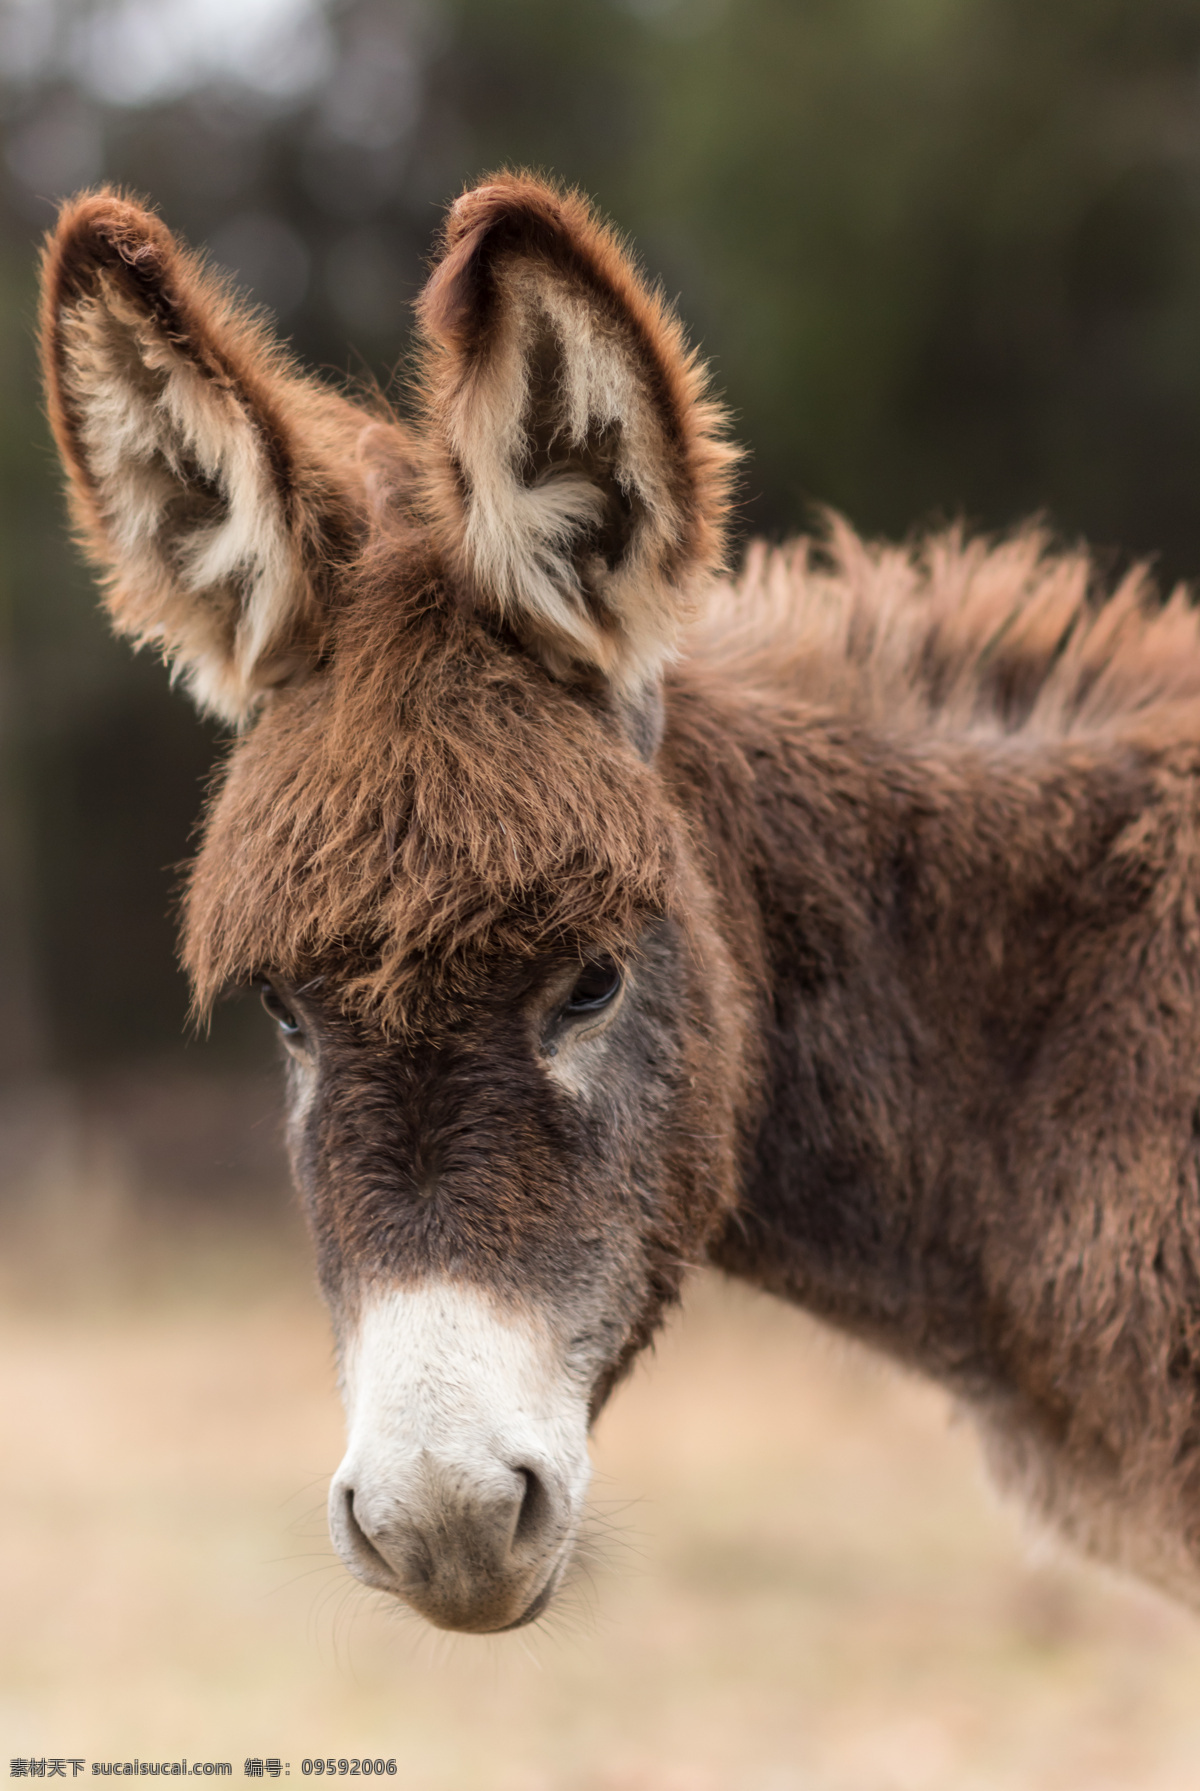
(447, 844)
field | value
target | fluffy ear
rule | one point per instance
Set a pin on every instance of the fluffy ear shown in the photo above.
(208, 478)
(578, 477)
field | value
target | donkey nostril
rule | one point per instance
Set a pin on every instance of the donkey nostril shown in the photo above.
(360, 1541)
(535, 1507)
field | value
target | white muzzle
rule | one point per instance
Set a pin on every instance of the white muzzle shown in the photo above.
(464, 1479)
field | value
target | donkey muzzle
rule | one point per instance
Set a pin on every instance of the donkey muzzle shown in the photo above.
(463, 1483)
(469, 1547)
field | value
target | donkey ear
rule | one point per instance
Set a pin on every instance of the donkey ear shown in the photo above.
(578, 477)
(202, 467)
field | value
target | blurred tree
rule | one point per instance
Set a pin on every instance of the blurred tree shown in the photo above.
(945, 255)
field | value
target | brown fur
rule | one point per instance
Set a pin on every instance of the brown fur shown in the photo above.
(975, 866)
(901, 858)
(385, 816)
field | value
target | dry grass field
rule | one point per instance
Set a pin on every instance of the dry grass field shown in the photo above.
(799, 1580)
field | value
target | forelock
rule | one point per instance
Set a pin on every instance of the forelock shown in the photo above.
(432, 798)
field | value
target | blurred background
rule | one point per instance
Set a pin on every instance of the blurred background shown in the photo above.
(945, 258)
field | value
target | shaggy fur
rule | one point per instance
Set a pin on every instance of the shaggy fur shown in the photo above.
(898, 849)
(384, 817)
(957, 803)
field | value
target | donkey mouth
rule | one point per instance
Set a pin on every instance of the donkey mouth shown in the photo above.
(482, 1610)
(467, 1597)
(536, 1606)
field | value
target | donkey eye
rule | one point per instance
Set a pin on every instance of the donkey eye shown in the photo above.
(282, 1015)
(595, 986)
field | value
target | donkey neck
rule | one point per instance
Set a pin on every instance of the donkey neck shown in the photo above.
(918, 919)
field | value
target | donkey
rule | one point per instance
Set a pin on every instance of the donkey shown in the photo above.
(835, 924)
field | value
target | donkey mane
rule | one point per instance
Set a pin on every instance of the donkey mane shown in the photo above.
(952, 635)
